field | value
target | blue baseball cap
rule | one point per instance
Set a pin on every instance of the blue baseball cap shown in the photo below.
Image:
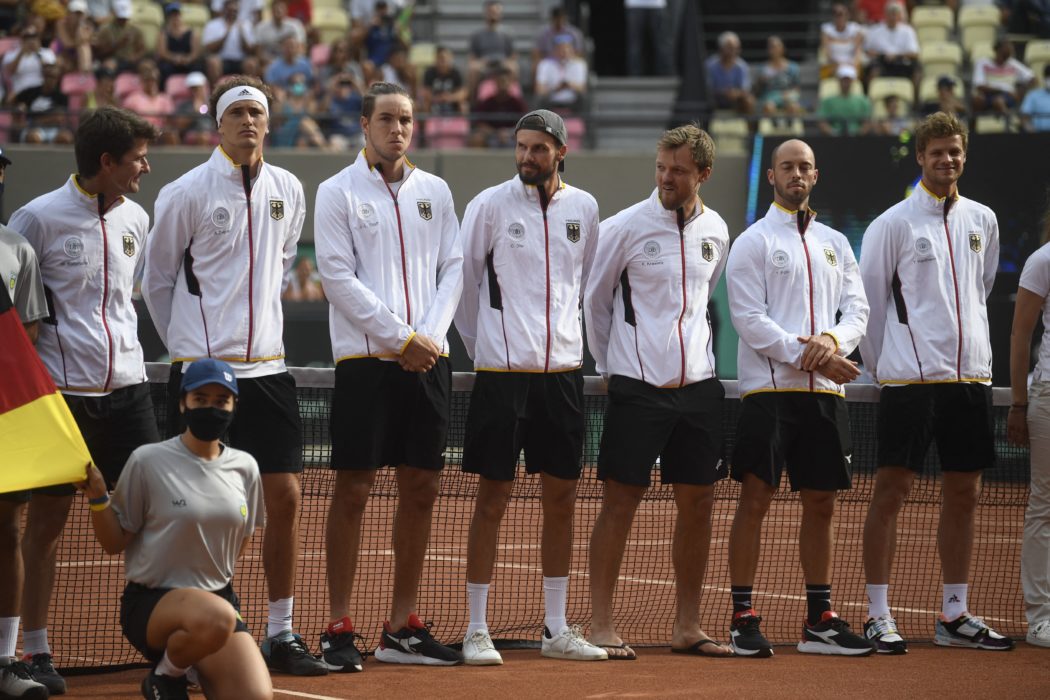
(209, 371)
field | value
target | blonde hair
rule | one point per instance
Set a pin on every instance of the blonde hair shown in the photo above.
(940, 125)
(701, 147)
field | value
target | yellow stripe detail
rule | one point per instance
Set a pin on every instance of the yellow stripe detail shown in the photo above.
(812, 211)
(795, 391)
(384, 356)
(939, 199)
(527, 371)
(239, 358)
(410, 337)
(42, 445)
(963, 380)
(76, 183)
(833, 337)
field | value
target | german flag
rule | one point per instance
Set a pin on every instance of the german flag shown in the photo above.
(42, 445)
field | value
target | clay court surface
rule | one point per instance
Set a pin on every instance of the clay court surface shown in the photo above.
(926, 672)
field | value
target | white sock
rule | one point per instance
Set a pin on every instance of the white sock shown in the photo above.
(8, 635)
(35, 642)
(279, 618)
(478, 599)
(166, 668)
(555, 592)
(954, 600)
(878, 600)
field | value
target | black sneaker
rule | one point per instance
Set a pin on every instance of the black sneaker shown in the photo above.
(745, 637)
(158, 687)
(832, 635)
(287, 653)
(971, 632)
(414, 645)
(16, 681)
(882, 632)
(44, 672)
(339, 649)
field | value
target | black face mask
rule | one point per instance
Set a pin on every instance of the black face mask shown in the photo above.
(207, 423)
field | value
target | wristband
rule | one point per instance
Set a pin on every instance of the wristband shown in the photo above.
(1022, 406)
(99, 507)
(833, 339)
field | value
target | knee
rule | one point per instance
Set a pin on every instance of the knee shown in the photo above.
(211, 628)
(418, 494)
(491, 506)
(961, 497)
(889, 496)
(698, 503)
(9, 533)
(560, 500)
(819, 506)
(753, 505)
(283, 504)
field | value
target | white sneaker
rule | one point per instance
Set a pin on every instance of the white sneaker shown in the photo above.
(570, 644)
(478, 650)
(16, 681)
(1039, 634)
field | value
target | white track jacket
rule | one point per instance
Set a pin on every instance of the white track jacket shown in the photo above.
(216, 262)
(790, 276)
(390, 260)
(524, 273)
(928, 265)
(88, 261)
(647, 295)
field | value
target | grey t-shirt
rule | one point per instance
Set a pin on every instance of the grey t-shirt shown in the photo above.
(20, 275)
(190, 515)
(491, 45)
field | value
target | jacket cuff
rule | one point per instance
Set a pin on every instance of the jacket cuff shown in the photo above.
(834, 338)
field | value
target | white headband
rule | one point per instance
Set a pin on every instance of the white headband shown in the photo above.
(236, 94)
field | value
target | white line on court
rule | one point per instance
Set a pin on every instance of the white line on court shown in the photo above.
(297, 694)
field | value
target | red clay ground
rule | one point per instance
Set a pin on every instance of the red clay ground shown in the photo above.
(926, 672)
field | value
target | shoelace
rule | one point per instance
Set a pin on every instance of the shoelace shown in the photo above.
(43, 662)
(576, 636)
(482, 641)
(883, 626)
(296, 645)
(19, 669)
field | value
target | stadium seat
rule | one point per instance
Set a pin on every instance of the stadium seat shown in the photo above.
(148, 17)
(978, 23)
(932, 23)
(982, 49)
(319, 54)
(446, 132)
(830, 87)
(195, 16)
(331, 22)
(941, 58)
(176, 88)
(337, 4)
(781, 127)
(928, 86)
(722, 127)
(7, 119)
(575, 129)
(487, 88)
(9, 42)
(126, 84)
(903, 88)
(991, 124)
(1037, 55)
(76, 86)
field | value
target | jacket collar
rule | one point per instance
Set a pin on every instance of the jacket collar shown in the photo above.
(531, 192)
(783, 215)
(663, 214)
(929, 201)
(85, 199)
(222, 162)
(361, 164)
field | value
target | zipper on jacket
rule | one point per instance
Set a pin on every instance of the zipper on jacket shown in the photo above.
(680, 214)
(246, 176)
(955, 282)
(105, 289)
(802, 220)
(544, 202)
(401, 239)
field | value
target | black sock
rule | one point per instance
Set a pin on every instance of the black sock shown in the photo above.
(741, 598)
(818, 601)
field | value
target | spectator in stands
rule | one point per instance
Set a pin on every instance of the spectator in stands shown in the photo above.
(73, 35)
(847, 113)
(947, 101)
(301, 10)
(779, 82)
(344, 56)
(47, 114)
(869, 11)
(297, 128)
(892, 45)
(23, 67)
(291, 62)
(491, 47)
(120, 44)
(498, 114)
(561, 80)
(895, 121)
(399, 71)
(227, 42)
(249, 11)
(178, 46)
(194, 124)
(558, 26)
(1035, 110)
(1026, 17)
(104, 94)
(728, 77)
(270, 34)
(381, 38)
(841, 41)
(999, 83)
(304, 284)
(150, 103)
(362, 11)
(647, 25)
(443, 91)
(342, 109)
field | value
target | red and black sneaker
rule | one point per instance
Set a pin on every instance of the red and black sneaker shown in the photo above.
(832, 635)
(746, 638)
(339, 647)
(412, 644)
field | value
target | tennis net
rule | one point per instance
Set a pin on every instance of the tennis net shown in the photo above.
(85, 630)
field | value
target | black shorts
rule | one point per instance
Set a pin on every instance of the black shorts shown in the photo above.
(683, 427)
(957, 414)
(807, 432)
(542, 413)
(113, 426)
(266, 424)
(385, 416)
(136, 607)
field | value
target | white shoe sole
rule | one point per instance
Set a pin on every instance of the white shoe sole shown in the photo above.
(965, 644)
(483, 661)
(753, 653)
(1037, 642)
(393, 656)
(552, 654)
(831, 649)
